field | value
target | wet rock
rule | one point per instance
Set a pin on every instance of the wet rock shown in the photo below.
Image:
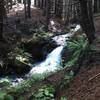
(49, 47)
(40, 49)
(66, 54)
(20, 69)
(12, 68)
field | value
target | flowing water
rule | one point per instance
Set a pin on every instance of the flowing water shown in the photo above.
(53, 60)
(51, 63)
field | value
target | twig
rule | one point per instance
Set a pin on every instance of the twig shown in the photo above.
(94, 77)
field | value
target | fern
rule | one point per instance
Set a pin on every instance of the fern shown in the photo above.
(78, 46)
(44, 93)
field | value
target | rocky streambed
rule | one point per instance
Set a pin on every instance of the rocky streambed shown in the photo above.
(46, 57)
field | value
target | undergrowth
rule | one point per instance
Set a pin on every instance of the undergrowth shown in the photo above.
(78, 46)
(44, 93)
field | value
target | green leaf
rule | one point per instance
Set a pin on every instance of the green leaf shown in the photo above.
(8, 97)
(39, 95)
(2, 94)
(40, 90)
(71, 73)
(51, 95)
(21, 98)
(63, 98)
(46, 92)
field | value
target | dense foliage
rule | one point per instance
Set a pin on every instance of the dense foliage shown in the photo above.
(78, 46)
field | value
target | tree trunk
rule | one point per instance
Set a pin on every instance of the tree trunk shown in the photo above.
(48, 4)
(86, 23)
(25, 10)
(29, 9)
(1, 19)
(90, 14)
(95, 6)
(11, 4)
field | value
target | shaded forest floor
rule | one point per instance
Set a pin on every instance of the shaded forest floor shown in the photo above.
(19, 24)
(86, 84)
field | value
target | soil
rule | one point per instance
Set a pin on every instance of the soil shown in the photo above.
(86, 84)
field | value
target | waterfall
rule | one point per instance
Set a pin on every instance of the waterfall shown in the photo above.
(51, 63)
(53, 60)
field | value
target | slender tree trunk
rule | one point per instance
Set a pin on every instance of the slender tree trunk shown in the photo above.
(1, 19)
(44, 7)
(90, 14)
(29, 9)
(7, 6)
(25, 9)
(88, 28)
(95, 6)
(11, 4)
(35, 3)
(48, 4)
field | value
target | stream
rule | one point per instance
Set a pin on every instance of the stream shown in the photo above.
(53, 59)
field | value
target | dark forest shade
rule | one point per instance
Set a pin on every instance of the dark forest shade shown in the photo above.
(48, 6)
(1, 18)
(29, 9)
(87, 20)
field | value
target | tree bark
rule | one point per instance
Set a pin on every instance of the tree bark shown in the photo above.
(48, 6)
(1, 19)
(29, 9)
(25, 10)
(86, 23)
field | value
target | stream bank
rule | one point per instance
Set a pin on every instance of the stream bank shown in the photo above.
(55, 75)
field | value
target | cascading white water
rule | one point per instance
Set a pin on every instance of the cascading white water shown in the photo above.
(51, 63)
(53, 59)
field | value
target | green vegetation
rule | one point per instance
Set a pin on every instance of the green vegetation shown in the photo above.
(5, 82)
(67, 79)
(18, 89)
(27, 28)
(44, 93)
(4, 96)
(19, 56)
(26, 85)
(78, 46)
(63, 98)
